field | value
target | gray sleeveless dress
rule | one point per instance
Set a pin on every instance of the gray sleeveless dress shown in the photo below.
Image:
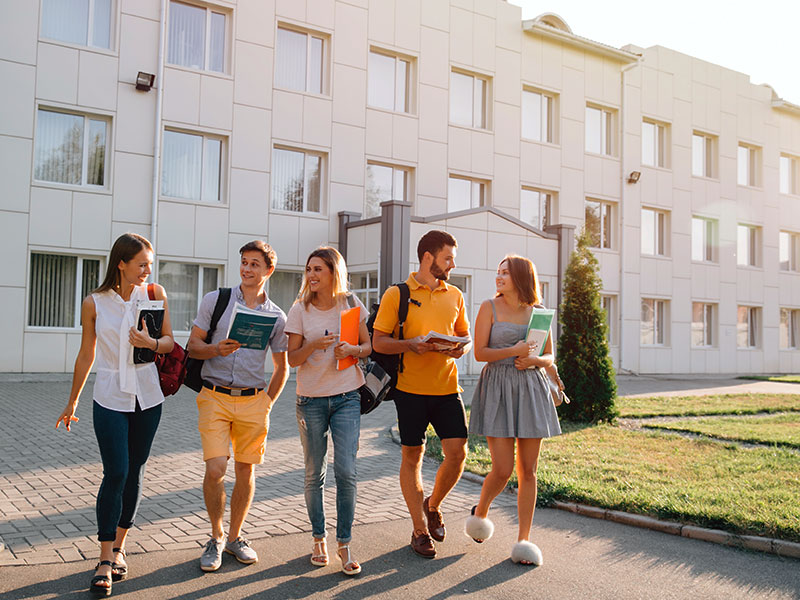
(510, 403)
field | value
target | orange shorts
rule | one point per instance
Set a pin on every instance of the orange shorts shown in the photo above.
(241, 420)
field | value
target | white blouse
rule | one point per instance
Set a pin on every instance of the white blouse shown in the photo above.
(119, 382)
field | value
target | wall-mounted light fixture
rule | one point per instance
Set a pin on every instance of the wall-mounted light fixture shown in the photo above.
(634, 176)
(145, 81)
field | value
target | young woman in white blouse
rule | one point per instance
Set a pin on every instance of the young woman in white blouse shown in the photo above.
(127, 396)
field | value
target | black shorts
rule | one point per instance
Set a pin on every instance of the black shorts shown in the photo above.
(415, 411)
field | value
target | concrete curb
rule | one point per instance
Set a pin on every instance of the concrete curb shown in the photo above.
(715, 536)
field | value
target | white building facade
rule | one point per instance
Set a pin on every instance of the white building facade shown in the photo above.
(293, 120)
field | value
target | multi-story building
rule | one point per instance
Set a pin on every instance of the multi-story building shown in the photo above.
(294, 120)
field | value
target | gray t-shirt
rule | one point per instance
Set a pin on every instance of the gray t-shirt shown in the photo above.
(245, 367)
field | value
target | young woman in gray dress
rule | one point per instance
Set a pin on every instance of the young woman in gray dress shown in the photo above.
(512, 403)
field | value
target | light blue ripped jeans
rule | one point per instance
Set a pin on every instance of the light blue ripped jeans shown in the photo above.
(341, 416)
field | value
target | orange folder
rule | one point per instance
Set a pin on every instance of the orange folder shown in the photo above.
(348, 332)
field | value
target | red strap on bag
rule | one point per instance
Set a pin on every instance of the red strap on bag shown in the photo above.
(171, 367)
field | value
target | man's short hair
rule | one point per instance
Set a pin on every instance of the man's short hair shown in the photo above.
(433, 241)
(258, 246)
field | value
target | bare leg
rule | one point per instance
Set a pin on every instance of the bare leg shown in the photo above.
(527, 463)
(502, 451)
(449, 472)
(411, 484)
(106, 553)
(214, 493)
(119, 542)
(241, 498)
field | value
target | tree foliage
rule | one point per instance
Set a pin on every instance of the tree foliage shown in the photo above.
(583, 357)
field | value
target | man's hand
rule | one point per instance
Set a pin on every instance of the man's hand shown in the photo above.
(417, 345)
(457, 352)
(228, 346)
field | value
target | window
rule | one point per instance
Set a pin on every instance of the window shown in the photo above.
(609, 304)
(384, 183)
(58, 285)
(599, 130)
(187, 284)
(296, 179)
(747, 246)
(789, 251)
(196, 37)
(789, 328)
(654, 232)
(598, 223)
(544, 292)
(747, 327)
(746, 165)
(703, 239)
(702, 155)
(389, 82)
(191, 166)
(653, 322)
(537, 116)
(535, 207)
(300, 61)
(83, 22)
(365, 286)
(468, 100)
(463, 194)
(284, 287)
(703, 324)
(788, 174)
(654, 144)
(70, 148)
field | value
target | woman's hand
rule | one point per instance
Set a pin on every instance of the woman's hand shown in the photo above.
(323, 343)
(522, 348)
(525, 362)
(140, 338)
(343, 350)
(227, 346)
(68, 416)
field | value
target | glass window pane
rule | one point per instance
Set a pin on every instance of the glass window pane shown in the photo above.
(313, 168)
(66, 20)
(290, 59)
(59, 147)
(592, 221)
(783, 329)
(742, 166)
(90, 277)
(742, 321)
(648, 144)
(479, 103)
(660, 233)
(593, 130)
(315, 66)
(181, 165)
(381, 81)
(401, 86)
(461, 99)
(784, 249)
(459, 194)
(648, 231)
(95, 168)
(379, 188)
(477, 194)
(187, 35)
(216, 43)
(785, 175)
(283, 288)
(606, 225)
(698, 337)
(287, 180)
(101, 28)
(605, 133)
(547, 119)
(52, 290)
(529, 208)
(212, 157)
(647, 333)
(181, 281)
(698, 155)
(698, 229)
(531, 116)
(742, 245)
(210, 278)
(399, 190)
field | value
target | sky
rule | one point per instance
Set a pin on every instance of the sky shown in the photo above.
(760, 39)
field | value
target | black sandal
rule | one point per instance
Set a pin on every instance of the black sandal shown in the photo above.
(119, 571)
(101, 590)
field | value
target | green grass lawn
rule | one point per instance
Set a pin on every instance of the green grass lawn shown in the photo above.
(783, 429)
(689, 406)
(782, 378)
(743, 490)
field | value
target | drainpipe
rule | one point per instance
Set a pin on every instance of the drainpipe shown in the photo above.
(623, 184)
(162, 23)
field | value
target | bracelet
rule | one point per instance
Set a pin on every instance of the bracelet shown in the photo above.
(156, 350)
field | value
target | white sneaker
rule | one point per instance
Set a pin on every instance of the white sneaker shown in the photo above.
(211, 560)
(241, 549)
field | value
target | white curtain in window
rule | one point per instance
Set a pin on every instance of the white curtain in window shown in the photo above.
(187, 35)
(290, 60)
(52, 290)
(181, 165)
(212, 163)
(313, 173)
(101, 27)
(283, 288)
(532, 124)
(461, 99)
(181, 282)
(66, 20)
(381, 81)
(315, 66)
(216, 50)
(287, 180)
(59, 147)
(379, 188)
(459, 194)
(95, 166)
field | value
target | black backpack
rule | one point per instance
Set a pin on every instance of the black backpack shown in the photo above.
(193, 379)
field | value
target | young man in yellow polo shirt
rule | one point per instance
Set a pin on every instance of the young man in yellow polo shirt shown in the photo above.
(427, 388)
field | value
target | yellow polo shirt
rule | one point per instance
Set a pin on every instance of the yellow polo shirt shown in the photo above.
(441, 310)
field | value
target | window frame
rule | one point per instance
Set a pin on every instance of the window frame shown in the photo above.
(107, 157)
(77, 293)
(709, 240)
(752, 244)
(792, 329)
(297, 272)
(793, 258)
(608, 138)
(791, 173)
(708, 154)
(660, 233)
(408, 109)
(753, 323)
(548, 131)
(660, 144)
(610, 312)
(607, 211)
(482, 192)
(546, 202)
(325, 53)
(748, 173)
(323, 173)
(112, 29)
(485, 95)
(660, 312)
(226, 42)
(406, 171)
(708, 331)
(200, 275)
(224, 161)
(371, 291)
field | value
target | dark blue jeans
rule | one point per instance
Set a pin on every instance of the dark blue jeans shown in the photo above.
(124, 439)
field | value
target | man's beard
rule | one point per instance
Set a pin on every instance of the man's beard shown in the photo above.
(438, 273)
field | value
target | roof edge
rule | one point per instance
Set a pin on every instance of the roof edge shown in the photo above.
(535, 26)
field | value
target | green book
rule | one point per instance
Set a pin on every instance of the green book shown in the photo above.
(251, 328)
(539, 328)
